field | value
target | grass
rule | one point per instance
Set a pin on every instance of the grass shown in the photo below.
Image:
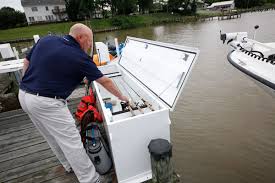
(206, 13)
(97, 25)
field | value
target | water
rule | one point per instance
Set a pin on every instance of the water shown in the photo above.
(223, 127)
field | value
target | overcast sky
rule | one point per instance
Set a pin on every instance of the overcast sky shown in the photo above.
(16, 4)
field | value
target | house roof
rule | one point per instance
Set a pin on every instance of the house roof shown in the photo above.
(42, 2)
(223, 3)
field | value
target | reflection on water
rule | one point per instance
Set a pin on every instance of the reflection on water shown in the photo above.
(223, 127)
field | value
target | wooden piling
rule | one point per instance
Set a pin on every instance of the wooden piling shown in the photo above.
(161, 154)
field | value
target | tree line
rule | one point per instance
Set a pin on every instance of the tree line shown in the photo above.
(10, 18)
(80, 9)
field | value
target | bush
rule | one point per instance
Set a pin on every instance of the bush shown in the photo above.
(9, 18)
(126, 22)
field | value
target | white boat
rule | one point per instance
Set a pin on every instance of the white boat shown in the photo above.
(255, 59)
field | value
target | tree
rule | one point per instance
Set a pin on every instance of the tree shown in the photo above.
(248, 3)
(175, 5)
(145, 5)
(86, 8)
(183, 6)
(123, 7)
(9, 18)
(100, 5)
(193, 7)
(73, 9)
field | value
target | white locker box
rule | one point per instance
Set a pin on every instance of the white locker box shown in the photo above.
(6, 51)
(148, 71)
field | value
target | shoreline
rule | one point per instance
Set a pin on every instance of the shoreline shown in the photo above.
(24, 34)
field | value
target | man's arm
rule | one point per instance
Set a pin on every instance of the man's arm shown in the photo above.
(110, 86)
(26, 63)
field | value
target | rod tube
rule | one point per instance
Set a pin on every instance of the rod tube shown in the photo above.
(128, 107)
(136, 104)
(143, 100)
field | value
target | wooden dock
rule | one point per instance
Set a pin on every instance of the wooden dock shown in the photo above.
(25, 156)
(229, 15)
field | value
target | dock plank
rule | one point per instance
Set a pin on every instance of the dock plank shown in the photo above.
(15, 125)
(21, 145)
(21, 138)
(22, 161)
(25, 156)
(12, 113)
(18, 133)
(13, 118)
(28, 169)
(64, 179)
(19, 128)
(49, 174)
(23, 152)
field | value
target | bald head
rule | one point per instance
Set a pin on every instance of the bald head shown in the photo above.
(79, 29)
(83, 35)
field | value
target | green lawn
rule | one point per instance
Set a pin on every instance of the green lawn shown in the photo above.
(96, 24)
(58, 28)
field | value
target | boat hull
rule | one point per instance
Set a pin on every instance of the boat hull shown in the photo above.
(242, 64)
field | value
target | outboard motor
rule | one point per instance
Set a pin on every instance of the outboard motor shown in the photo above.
(235, 36)
(97, 149)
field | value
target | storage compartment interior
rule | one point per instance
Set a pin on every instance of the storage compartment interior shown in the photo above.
(140, 101)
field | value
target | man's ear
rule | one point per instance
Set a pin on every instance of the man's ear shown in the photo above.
(79, 37)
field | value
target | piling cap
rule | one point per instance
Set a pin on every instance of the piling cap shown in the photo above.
(160, 148)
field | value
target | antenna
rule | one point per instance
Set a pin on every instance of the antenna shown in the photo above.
(255, 27)
(222, 36)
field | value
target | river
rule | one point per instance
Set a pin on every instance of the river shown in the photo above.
(223, 127)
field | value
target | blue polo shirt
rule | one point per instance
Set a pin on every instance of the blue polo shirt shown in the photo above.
(57, 66)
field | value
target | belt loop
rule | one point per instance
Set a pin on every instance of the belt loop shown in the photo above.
(54, 97)
(37, 94)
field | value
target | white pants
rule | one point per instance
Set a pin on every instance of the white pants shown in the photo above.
(54, 121)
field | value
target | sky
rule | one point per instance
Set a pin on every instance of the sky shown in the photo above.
(16, 4)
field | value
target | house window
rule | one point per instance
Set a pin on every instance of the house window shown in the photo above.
(31, 19)
(47, 8)
(34, 9)
(49, 17)
(39, 18)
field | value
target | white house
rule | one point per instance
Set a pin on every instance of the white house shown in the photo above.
(44, 10)
(224, 5)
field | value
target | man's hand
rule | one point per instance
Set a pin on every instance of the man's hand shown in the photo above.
(26, 63)
(86, 81)
(124, 98)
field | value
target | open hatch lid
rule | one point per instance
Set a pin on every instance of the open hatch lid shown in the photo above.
(161, 67)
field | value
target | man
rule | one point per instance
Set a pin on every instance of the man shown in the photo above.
(52, 70)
